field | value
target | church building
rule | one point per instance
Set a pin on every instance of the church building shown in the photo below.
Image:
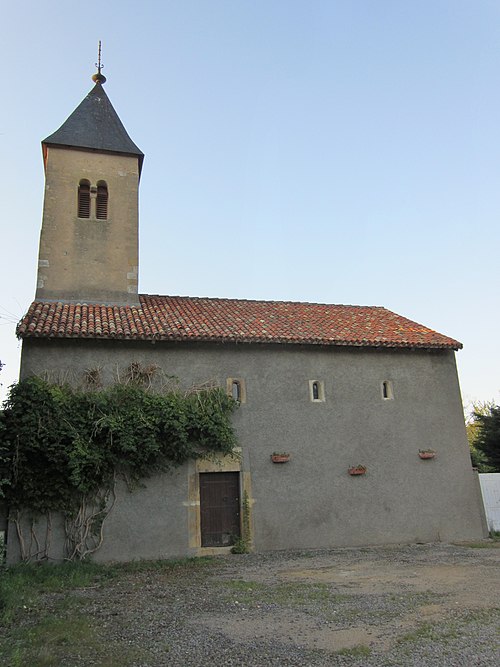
(349, 396)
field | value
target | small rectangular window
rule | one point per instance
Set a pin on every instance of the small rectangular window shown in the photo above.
(317, 391)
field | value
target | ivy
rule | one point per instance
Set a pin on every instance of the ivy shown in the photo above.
(62, 448)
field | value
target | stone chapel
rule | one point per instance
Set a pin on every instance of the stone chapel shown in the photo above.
(330, 386)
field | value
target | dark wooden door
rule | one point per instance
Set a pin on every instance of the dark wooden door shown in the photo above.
(219, 508)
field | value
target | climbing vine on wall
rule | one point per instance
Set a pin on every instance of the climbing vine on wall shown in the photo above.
(62, 450)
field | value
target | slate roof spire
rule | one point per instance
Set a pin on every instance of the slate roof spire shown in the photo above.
(95, 125)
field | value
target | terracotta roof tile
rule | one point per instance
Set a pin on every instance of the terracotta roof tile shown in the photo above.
(175, 318)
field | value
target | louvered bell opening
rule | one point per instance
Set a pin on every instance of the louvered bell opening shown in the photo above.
(84, 200)
(102, 202)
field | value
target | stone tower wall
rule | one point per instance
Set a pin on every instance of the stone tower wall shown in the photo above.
(89, 259)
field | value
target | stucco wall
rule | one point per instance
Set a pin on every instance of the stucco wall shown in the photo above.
(310, 501)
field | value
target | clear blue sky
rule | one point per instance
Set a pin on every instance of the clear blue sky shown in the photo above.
(339, 151)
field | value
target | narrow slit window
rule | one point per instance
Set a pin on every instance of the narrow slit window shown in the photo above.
(387, 391)
(236, 390)
(102, 201)
(316, 391)
(84, 199)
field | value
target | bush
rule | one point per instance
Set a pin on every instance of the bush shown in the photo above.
(62, 449)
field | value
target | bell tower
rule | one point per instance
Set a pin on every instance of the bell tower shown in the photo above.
(89, 239)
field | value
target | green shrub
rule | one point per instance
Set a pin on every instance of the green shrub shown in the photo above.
(62, 449)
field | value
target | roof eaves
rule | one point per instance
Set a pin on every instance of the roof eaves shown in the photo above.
(97, 333)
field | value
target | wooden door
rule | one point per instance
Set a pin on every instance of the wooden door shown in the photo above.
(219, 508)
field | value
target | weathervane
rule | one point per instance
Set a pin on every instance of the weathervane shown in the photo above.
(99, 78)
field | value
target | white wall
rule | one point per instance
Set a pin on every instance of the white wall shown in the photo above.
(490, 488)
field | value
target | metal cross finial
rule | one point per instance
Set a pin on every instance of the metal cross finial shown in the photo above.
(99, 78)
(98, 63)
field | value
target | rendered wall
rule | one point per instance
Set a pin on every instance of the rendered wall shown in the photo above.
(311, 501)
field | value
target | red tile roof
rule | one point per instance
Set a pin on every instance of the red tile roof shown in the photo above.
(175, 318)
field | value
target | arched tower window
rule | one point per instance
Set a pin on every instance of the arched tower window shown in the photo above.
(84, 199)
(102, 201)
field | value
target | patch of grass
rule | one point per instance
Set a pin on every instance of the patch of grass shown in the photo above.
(241, 586)
(431, 632)
(481, 615)
(376, 608)
(60, 631)
(44, 643)
(162, 566)
(485, 544)
(55, 638)
(342, 609)
(448, 632)
(359, 651)
(22, 585)
(287, 594)
(492, 543)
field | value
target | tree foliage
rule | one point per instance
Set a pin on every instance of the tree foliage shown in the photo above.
(473, 427)
(487, 440)
(61, 449)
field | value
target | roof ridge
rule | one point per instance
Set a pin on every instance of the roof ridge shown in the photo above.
(221, 298)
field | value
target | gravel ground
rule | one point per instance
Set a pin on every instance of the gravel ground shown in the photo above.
(424, 605)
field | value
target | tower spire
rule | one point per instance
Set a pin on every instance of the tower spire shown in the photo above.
(99, 78)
